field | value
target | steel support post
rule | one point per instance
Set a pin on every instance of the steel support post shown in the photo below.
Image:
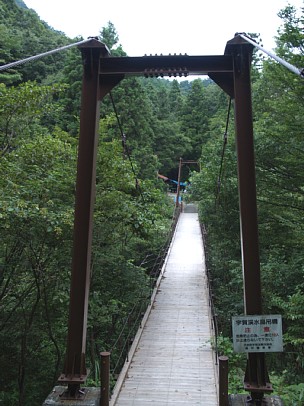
(104, 378)
(75, 371)
(256, 375)
(223, 381)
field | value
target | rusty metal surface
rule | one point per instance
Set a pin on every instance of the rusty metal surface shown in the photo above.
(165, 65)
(95, 43)
(256, 376)
(243, 400)
(224, 80)
(223, 380)
(70, 378)
(247, 182)
(104, 378)
(75, 370)
(55, 398)
(218, 67)
(267, 388)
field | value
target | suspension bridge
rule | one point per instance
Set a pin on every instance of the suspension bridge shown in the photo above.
(172, 360)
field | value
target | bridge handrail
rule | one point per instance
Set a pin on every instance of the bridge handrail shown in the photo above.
(134, 317)
(211, 302)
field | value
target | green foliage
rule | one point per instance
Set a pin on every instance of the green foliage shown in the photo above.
(292, 309)
(70, 78)
(218, 210)
(23, 34)
(291, 395)
(109, 36)
(163, 121)
(278, 95)
(36, 228)
(195, 118)
(24, 110)
(236, 363)
(278, 124)
(9, 46)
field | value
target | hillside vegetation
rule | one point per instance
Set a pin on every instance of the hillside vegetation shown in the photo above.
(163, 120)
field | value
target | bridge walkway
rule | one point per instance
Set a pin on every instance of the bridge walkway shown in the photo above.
(173, 362)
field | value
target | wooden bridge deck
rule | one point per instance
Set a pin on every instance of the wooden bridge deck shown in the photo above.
(173, 363)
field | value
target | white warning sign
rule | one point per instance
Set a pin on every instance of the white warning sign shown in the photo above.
(257, 333)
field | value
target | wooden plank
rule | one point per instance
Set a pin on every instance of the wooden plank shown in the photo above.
(173, 362)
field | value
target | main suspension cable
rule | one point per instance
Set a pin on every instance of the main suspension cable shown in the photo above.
(125, 147)
(287, 65)
(33, 58)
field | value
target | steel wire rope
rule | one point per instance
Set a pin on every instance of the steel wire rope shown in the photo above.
(130, 331)
(140, 297)
(132, 317)
(157, 259)
(210, 290)
(137, 308)
(47, 53)
(139, 303)
(141, 300)
(225, 139)
(165, 246)
(292, 68)
(123, 327)
(126, 322)
(160, 254)
(126, 149)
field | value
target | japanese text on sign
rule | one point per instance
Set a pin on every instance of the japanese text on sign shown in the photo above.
(257, 333)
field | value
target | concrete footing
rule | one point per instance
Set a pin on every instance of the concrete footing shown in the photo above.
(91, 398)
(243, 400)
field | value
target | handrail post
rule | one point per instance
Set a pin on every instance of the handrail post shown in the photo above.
(223, 381)
(104, 378)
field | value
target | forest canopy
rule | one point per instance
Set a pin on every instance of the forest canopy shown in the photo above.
(162, 120)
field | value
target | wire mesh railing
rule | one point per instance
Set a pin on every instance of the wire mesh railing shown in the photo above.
(214, 323)
(153, 264)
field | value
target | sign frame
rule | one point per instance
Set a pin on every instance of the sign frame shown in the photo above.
(257, 333)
